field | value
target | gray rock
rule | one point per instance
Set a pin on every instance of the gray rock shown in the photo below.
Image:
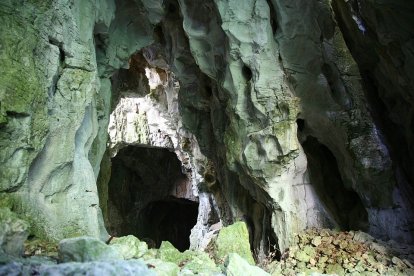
(86, 249)
(13, 233)
(113, 268)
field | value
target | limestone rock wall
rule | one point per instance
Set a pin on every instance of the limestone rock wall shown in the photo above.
(301, 110)
(50, 117)
(379, 36)
(55, 99)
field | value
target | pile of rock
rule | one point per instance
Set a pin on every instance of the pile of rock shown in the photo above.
(341, 253)
(230, 255)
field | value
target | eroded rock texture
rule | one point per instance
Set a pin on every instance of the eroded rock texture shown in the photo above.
(283, 114)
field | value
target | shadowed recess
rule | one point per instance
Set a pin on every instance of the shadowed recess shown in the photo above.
(146, 197)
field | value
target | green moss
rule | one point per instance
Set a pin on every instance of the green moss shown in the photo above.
(199, 262)
(196, 261)
(6, 200)
(162, 268)
(130, 247)
(233, 239)
(167, 252)
(150, 254)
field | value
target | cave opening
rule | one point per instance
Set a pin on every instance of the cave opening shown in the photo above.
(149, 196)
(169, 219)
(343, 204)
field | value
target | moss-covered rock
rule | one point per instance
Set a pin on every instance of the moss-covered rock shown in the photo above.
(130, 247)
(236, 265)
(13, 232)
(195, 261)
(162, 268)
(167, 252)
(199, 263)
(233, 239)
(151, 253)
(86, 249)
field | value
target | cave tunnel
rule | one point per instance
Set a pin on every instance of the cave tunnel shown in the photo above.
(148, 197)
(343, 204)
(169, 219)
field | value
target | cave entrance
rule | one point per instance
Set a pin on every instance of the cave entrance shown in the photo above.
(343, 204)
(150, 197)
(169, 219)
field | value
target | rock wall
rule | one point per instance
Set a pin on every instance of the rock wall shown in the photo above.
(292, 120)
(55, 99)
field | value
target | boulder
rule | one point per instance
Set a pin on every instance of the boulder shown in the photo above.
(199, 263)
(233, 239)
(118, 268)
(129, 246)
(86, 249)
(162, 268)
(191, 261)
(168, 253)
(13, 232)
(236, 265)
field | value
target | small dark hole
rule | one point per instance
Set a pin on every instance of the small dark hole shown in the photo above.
(209, 90)
(209, 178)
(301, 124)
(247, 73)
(159, 34)
(171, 8)
(273, 24)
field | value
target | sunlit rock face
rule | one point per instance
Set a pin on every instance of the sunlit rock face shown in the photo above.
(284, 114)
(155, 161)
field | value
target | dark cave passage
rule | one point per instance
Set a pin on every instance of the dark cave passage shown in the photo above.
(169, 219)
(148, 197)
(344, 205)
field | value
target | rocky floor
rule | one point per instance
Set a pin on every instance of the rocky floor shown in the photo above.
(343, 253)
(314, 252)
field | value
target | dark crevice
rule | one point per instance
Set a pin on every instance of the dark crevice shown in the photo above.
(247, 73)
(56, 77)
(172, 9)
(344, 205)
(15, 114)
(273, 19)
(338, 91)
(146, 194)
(60, 47)
(271, 242)
(398, 147)
(159, 36)
(301, 124)
(388, 107)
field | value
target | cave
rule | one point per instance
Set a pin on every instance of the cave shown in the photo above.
(174, 120)
(170, 219)
(343, 204)
(148, 197)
